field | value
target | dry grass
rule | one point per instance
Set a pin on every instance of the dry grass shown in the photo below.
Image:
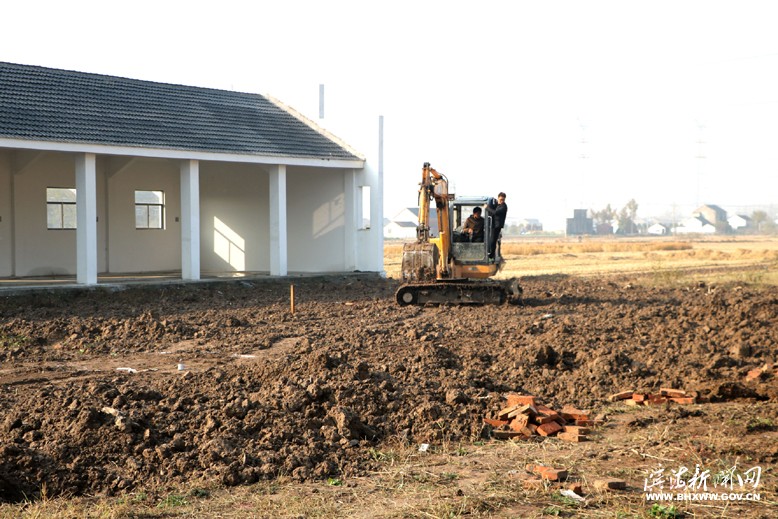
(450, 480)
(744, 259)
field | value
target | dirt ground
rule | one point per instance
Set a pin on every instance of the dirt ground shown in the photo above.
(105, 391)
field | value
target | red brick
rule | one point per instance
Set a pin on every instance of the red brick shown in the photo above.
(503, 413)
(550, 413)
(549, 473)
(571, 437)
(549, 429)
(541, 419)
(576, 487)
(683, 400)
(526, 409)
(520, 422)
(554, 474)
(507, 435)
(610, 484)
(495, 423)
(570, 413)
(516, 399)
(675, 393)
(576, 429)
(624, 395)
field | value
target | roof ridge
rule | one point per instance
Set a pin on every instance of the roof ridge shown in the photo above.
(312, 124)
(127, 78)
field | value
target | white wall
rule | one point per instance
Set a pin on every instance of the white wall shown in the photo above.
(6, 261)
(140, 250)
(360, 129)
(323, 217)
(234, 229)
(40, 251)
(316, 211)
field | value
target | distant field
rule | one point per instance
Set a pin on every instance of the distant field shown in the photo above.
(752, 259)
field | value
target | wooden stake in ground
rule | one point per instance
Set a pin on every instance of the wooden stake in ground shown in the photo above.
(291, 298)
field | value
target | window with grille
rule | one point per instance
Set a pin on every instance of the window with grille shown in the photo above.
(149, 210)
(60, 208)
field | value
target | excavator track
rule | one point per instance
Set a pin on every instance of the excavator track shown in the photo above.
(458, 293)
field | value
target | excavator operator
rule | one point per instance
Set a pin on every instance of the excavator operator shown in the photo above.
(474, 226)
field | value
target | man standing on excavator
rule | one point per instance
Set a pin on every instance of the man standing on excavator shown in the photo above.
(498, 210)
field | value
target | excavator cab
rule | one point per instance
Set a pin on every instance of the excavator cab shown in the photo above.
(465, 249)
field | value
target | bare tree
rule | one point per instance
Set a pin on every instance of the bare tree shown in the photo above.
(627, 217)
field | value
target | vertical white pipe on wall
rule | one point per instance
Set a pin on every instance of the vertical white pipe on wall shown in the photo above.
(278, 221)
(350, 223)
(86, 219)
(190, 220)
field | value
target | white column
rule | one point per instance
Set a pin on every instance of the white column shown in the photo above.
(350, 223)
(86, 219)
(278, 249)
(377, 204)
(190, 220)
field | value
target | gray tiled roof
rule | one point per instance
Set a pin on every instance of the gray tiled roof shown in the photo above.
(38, 103)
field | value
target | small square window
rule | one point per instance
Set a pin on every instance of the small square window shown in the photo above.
(60, 208)
(149, 210)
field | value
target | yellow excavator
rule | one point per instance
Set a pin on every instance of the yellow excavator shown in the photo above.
(450, 268)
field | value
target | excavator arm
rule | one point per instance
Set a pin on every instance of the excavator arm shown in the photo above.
(434, 187)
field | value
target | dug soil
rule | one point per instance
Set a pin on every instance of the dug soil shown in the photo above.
(106, 390)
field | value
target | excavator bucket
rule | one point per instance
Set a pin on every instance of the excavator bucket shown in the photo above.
(419, 262)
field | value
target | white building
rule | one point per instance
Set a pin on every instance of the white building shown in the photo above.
(657, 229)
(739, 221)
(404, 223)
(695, 225)
(102, 174)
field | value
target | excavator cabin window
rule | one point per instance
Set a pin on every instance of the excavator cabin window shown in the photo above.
(472, 232)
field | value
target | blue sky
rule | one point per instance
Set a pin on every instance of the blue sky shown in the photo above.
(562, 104)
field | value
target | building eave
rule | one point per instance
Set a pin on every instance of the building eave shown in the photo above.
(101, 149)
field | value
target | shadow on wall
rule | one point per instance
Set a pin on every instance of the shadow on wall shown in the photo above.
(49, 271)
(329, 216)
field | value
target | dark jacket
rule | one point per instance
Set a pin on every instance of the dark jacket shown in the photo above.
(477, 224)
(498, 213)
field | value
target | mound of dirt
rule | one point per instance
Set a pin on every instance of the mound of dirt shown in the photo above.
(95, 403)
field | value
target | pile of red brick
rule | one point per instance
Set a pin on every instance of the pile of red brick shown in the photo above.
(665, 395)
(524, 417)
(545, 477)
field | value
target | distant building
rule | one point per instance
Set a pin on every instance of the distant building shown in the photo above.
(404, 223)
(739, 222)
(404, 230)
(580, 223)
(529, 225)
(695, 225)
(712, 214)
(657, 229)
